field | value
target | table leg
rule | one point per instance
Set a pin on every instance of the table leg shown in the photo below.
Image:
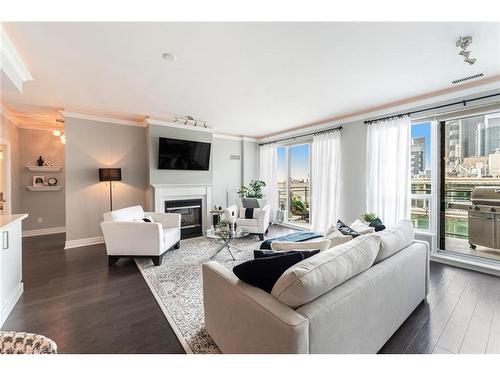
(221, 247)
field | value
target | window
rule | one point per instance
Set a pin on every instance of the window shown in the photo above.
(421, 176)
(294, 183)
(470, 158)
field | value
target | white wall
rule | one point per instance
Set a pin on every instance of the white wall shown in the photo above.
(10, 133)
(227, 173)
(91, 145)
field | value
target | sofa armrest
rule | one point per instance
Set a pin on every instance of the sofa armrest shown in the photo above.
(428, 265)
(133, 238)
(244, 319)
(167, 220)
(264, 217)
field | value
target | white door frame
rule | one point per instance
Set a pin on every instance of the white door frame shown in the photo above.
(7, 207)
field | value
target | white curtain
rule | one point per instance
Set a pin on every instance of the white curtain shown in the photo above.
(269, 174)
(325, 181)
(388, 170)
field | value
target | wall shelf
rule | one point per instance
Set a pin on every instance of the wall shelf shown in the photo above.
(35, 168)
(44, 188)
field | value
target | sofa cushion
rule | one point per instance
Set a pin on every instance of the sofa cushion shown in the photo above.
(316, 244)
(248, 222)
(263, 272)
(317, 275)
(394, 239)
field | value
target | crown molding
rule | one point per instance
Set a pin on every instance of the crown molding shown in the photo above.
(9, 116)
(11, 63)
(235, 137)
(110, 120)
(150, 121)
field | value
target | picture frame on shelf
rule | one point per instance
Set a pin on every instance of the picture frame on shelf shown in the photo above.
(39, 181)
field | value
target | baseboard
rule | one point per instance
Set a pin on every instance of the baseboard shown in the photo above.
(11, 302)
(83, 242)
(43, 231)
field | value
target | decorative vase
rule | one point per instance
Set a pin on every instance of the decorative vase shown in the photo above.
(40, 161)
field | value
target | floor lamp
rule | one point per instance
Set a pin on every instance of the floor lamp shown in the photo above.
(110, 175)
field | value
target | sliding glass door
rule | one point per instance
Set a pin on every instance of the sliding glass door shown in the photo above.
(470, 161)
(294, 183)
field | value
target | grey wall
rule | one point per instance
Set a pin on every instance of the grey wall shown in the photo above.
(49, 206)
(10, 133)
(89, 146)
(157, 176)
(227, 173)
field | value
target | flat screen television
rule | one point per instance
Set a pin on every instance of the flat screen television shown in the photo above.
(183, 155)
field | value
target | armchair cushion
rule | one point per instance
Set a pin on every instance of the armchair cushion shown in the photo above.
(134, 213)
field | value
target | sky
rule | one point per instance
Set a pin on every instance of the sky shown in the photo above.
(299, 156)
(424, 130)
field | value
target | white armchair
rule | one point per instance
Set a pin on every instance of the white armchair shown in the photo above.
(127, 235)
(257, 225)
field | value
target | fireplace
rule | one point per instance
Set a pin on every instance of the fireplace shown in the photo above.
(191, 215)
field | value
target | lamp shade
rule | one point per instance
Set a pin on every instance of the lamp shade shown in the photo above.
(110, 174)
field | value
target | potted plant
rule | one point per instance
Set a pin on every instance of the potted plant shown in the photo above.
(253, 190)
(368, 217)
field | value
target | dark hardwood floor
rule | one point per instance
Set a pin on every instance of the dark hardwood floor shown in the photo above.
(74, 298)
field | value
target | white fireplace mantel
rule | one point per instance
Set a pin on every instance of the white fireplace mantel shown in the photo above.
(169, 192)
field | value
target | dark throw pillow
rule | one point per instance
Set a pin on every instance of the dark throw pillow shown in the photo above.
(269, 253)
(146, 220)
(346, 230)
(264, 272)
(377, 224)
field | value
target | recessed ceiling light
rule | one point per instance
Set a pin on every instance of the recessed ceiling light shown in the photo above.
(168, 56)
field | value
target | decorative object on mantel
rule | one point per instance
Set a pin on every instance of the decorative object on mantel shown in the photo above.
(38, 180)
(40, 161)
(47, 163)
(110, 175)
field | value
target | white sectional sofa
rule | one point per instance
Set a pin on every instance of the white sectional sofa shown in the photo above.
(304, 315)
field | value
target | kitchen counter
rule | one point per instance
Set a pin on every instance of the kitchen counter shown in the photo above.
(6, 220)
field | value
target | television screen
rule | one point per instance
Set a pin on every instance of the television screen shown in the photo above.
(183, 155)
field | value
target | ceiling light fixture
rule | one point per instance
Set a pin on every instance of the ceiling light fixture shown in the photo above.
(57, 133)
(168, 57)
(463, 43)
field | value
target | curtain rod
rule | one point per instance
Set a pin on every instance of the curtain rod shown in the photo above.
(303, 135)
(464, 102)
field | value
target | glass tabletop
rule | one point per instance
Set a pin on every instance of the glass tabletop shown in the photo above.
(212, 233)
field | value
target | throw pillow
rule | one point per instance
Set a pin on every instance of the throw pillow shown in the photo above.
(249, 213)
(271, 253)
(145, 219)
(263, 272)
(362, 228)
(345, 229)
(377, 224)
(336, 237)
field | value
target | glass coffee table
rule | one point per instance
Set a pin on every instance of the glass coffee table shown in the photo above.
(226, 238)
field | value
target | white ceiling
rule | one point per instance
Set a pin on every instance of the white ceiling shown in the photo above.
(242, 78)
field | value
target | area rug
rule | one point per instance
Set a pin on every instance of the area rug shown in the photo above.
(177, 285)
